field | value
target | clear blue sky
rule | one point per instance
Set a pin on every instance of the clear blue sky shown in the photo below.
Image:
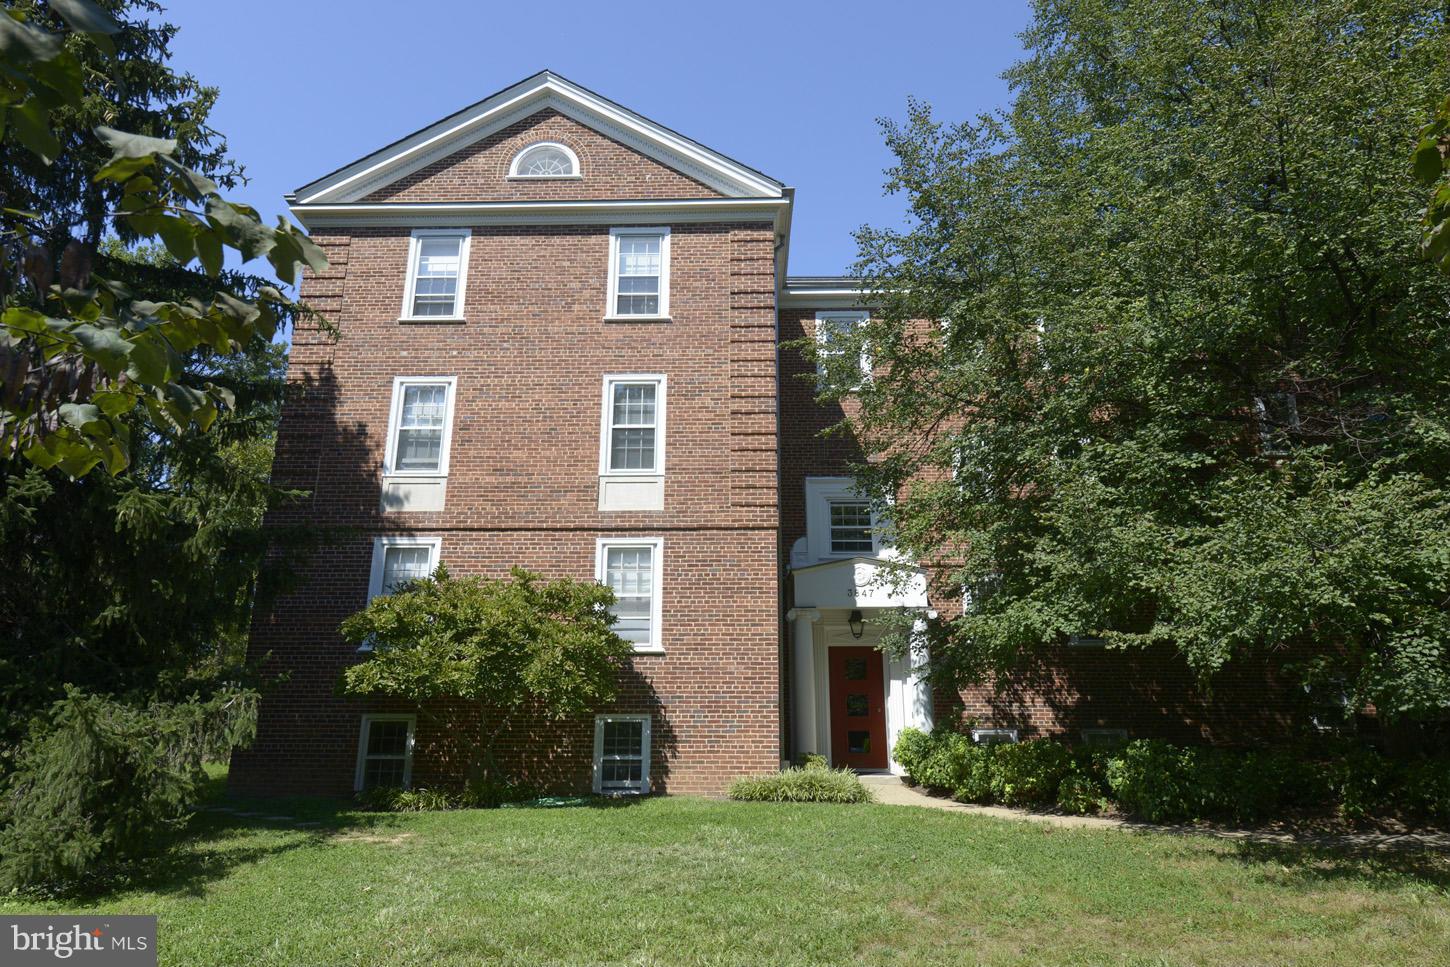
(790, 88)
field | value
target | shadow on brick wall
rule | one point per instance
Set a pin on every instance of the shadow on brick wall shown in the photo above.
(1149, 693)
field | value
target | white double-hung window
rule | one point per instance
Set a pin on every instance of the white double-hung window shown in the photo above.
(399, 560)
(639, 273)
(632, 442)
(631, 568)
(633, 435)
(437, 273)
(396, 562)
(853, 529)
(420, 426)
(834, 330)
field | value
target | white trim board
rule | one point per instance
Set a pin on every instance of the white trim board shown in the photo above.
(475, 214)
(533, 94)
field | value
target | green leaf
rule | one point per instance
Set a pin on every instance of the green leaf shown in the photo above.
(242, 230)
(21, 43)
(113, 404)
(130, 153)
(1428, 161)
(209, 249)
(194, 185)
(85, 17)
(31, 124)
(151, 359)
(124, 144)
(106, 346)
(179, 236)
(81, 415)
(21, 319)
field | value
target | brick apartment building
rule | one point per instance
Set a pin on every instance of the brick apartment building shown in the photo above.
(561, 329)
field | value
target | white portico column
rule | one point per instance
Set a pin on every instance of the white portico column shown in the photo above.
(803, 678)
(920, 713)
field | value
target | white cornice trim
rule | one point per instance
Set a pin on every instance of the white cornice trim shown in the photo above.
(827, 298)
(469, 214)
(541, 91)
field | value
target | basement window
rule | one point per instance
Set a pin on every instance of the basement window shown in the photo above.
(621, 754)
(385, 752)
(1104, 738)
(994, 736)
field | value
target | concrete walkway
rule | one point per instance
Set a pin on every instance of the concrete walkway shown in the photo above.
(891, 791)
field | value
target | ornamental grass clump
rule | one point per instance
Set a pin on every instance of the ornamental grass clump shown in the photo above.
(811, 784)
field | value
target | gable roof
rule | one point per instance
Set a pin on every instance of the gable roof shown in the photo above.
(545, 89)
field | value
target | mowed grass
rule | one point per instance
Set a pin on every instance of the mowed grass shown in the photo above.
(695, 881)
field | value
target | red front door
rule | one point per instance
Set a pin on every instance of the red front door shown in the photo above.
(858, 708)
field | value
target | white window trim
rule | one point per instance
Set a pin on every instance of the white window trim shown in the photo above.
(823, 318)
(515, 175)
(380, 547)
(606, 414)
(1001, 735)
(395, 414)
(645, 749)
(362, 747)
(663, 315)
(657, 557)
(412, 278)
(820, 492)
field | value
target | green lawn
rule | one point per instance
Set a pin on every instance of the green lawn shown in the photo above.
(693, 881)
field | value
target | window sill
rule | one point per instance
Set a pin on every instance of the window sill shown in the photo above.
(544, 178)
(649, 651)
(426, 320)
(638, 319)
(393, 476)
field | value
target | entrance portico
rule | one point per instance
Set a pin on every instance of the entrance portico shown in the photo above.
(836, 710)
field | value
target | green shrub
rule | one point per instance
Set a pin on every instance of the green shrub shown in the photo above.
(948, 762)
(814, 760)
(100, 781)
(1147, 778)
(1425, 789)
(1264, 783)
(801, 785)
(910, 752)
(975, 784)
(1027, 773)
(1363, 781)
(1079, 794)
(390, 799)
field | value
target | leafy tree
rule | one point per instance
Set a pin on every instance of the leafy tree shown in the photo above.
(1432, 169)
(1184, 383)
(126, 598)
(80, 351)
(501, 648)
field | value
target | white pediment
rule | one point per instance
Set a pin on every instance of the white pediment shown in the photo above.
(544, 90)
(860, 582)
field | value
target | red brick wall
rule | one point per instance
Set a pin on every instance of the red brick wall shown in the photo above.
(479, 172)
(523, 481)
